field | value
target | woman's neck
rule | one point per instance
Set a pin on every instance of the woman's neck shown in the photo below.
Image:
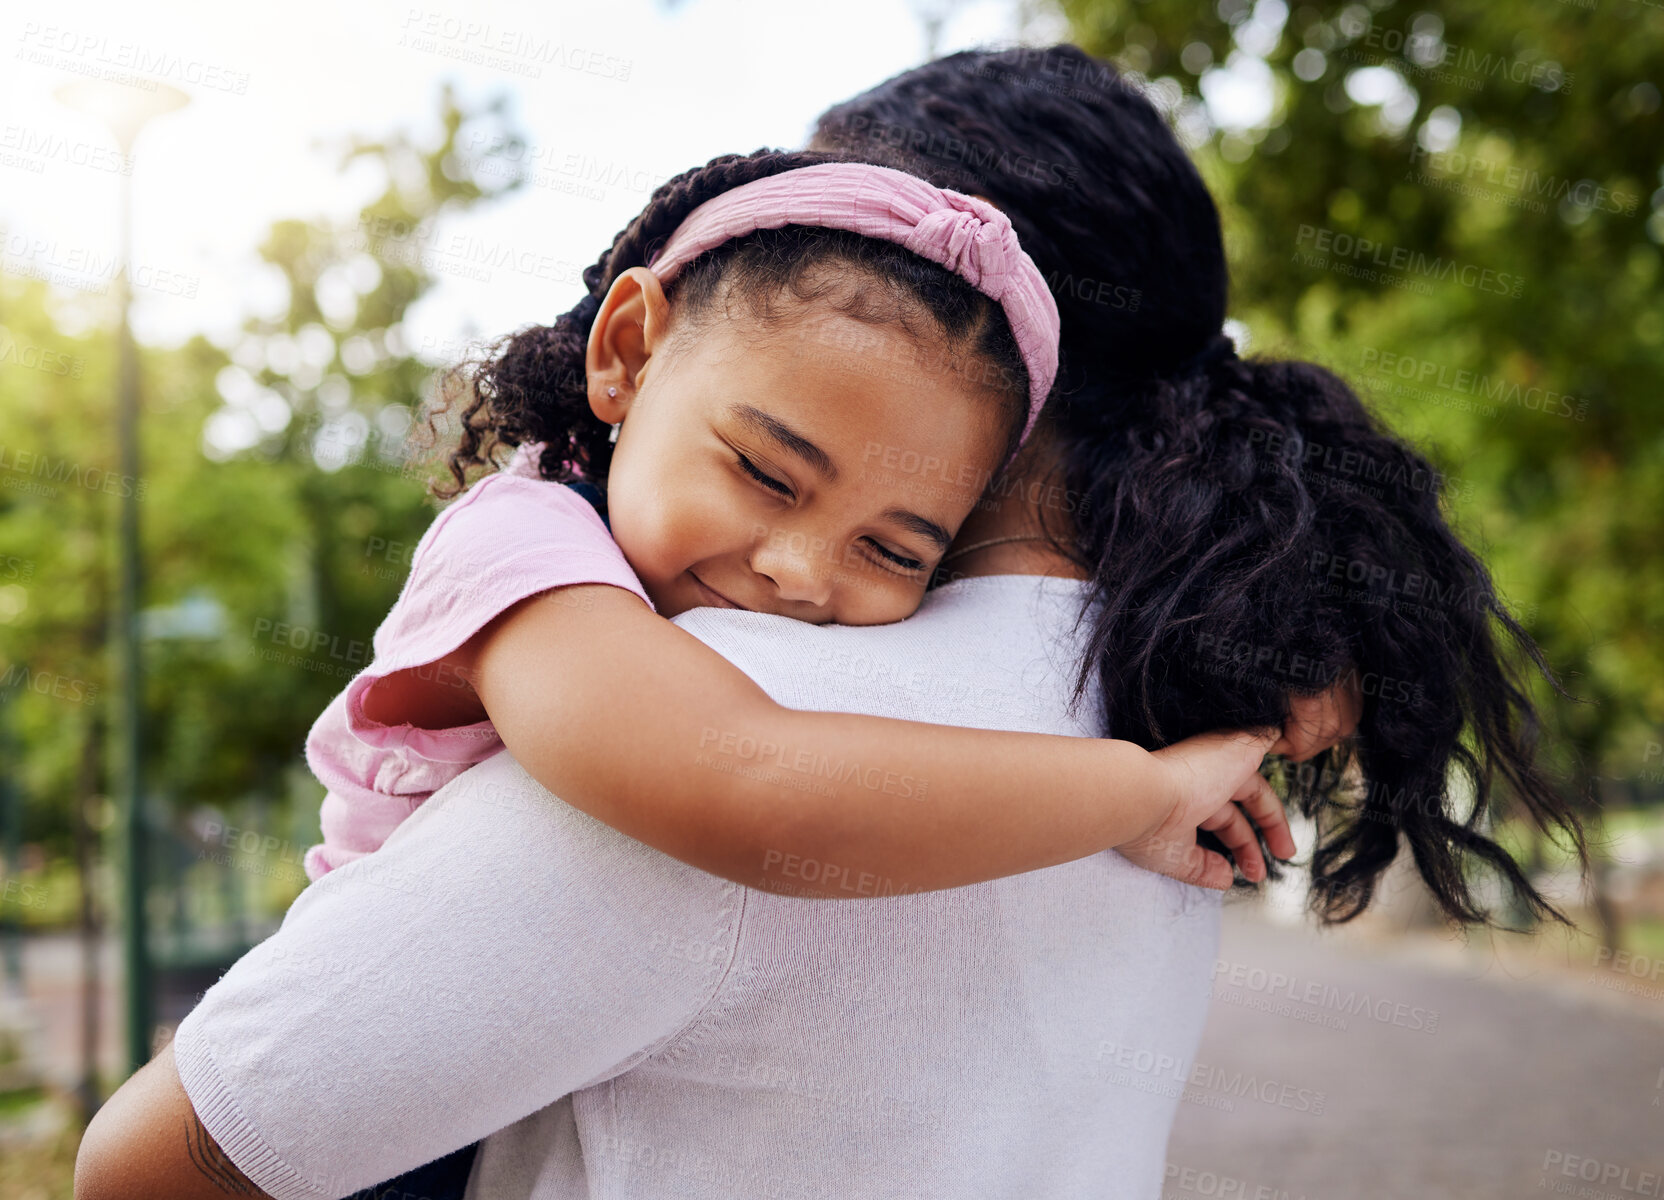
(1013, 529)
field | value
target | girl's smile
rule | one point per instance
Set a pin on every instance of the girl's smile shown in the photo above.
(745, 474)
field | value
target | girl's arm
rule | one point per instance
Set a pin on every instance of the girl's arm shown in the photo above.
(644, 727)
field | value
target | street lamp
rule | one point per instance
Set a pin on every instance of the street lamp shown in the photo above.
(933, 15)
(124, 111)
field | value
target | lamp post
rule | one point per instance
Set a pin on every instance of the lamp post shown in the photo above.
(124, 111)
(933, 15)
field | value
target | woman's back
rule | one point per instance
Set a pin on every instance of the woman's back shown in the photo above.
(1021, 1038)
(615, 1023)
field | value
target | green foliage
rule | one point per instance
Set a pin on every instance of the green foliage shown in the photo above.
(276, 477)
(1516, 148)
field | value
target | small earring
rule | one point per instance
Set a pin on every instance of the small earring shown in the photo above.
(612, 393)
(613, 436)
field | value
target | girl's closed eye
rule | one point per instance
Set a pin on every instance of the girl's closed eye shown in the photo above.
(768, 481)
(899, 560)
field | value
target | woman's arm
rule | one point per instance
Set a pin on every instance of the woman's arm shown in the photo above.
(147, 1144)
(501, 952)
(644, 727)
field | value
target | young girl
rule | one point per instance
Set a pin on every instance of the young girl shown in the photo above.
(767, 333)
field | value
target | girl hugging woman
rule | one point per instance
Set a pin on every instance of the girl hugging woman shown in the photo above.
(755, 347)
(622, 1025)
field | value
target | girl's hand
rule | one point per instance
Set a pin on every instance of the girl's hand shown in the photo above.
(1217, 786)
(1315, 723)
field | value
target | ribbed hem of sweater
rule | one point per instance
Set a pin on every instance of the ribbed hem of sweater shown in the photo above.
(236, 1137)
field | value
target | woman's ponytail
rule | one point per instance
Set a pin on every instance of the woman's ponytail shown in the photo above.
(1253, 532)
(1250, 530)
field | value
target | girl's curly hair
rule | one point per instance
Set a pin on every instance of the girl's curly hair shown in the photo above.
(1250, 530)
(530, 386)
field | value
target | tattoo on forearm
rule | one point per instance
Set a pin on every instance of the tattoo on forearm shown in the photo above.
(211, 1161)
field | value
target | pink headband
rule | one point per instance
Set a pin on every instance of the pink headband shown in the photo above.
(969, 237)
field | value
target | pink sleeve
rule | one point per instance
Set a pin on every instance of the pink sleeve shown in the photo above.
(508, 538)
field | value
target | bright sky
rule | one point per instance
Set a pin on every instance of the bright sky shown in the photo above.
(655, 91)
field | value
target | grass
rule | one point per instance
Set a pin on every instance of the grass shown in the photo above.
(1641, 936)
(1642, 940)
(16, 1103)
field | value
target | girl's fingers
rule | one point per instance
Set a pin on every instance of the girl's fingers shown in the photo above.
(1182, 859)
(1315, 723)
(1232, 828)
(1209, 869)
(1261, 802)
(1311, 727)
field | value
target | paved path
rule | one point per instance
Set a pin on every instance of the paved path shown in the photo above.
(1513, 1074)
(1438, 1074)
(52, 988)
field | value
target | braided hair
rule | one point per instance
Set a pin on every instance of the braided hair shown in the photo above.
(1249, 530)
(530, 386)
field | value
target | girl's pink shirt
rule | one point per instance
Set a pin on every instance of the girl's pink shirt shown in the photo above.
(512, 535)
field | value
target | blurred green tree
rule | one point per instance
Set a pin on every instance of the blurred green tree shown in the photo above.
(1459, 210)
(281, 478)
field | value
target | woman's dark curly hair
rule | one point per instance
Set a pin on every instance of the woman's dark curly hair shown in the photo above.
(1251, 531)
(530, 386)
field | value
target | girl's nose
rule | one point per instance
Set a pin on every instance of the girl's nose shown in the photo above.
(800, 575)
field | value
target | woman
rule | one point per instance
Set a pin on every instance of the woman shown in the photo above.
(1028, 1036)
(1249, 530)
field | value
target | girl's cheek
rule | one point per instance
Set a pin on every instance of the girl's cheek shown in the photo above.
(723, 523)
(640, 526)
(711, 507)
(868, 599)
(649, 515)
(690, 524)
(897, 608)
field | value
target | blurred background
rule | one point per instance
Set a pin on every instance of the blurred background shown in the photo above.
(235, 248)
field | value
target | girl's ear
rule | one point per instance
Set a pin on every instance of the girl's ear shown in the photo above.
(628, 328)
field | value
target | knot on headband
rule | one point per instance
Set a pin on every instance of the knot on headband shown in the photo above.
(967, 236)
(978, 247)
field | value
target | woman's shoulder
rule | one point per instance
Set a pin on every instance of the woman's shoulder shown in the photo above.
(1018, 600)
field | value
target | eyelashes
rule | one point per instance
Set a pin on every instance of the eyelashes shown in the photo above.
(899, 560)
(781, 489)
(910, 564)
(768, 481)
